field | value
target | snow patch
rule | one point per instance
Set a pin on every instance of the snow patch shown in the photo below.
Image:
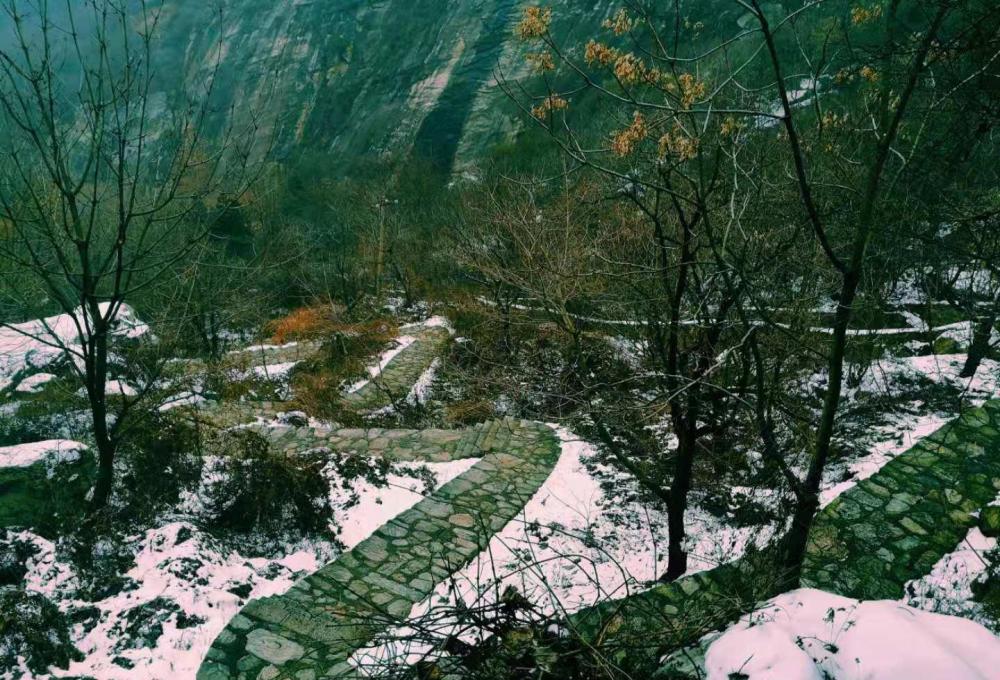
(33, 383)
(49, 451)
(808, 634)
(37, 344)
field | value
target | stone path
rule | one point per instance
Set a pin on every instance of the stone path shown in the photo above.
(895, 525)
(885, 531)
(392, 383)
(258, 357)
(310, 631)
(398, 377)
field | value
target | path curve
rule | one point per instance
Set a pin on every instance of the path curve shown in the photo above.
(878, 535)
(310, 631)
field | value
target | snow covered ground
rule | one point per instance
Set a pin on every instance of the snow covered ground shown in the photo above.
(571, 547)
(808, 634)
(947, 589)
(185, 585)
(50, 451)
(890, 376)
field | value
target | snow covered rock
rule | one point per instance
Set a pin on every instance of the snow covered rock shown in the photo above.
(41, 480)
(34, 345)
(33, 384)
(808, 634)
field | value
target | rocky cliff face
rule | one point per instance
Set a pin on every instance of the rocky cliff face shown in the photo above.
(357, 77)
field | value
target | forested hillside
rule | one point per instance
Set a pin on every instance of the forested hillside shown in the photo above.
(490, 340)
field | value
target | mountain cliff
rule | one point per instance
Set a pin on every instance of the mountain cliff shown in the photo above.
(354, 77)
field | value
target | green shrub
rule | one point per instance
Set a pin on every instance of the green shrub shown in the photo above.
(32, 628)
(246, 486)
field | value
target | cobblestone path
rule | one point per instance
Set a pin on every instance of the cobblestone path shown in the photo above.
(868, 543)
(310, 631)
(881, 533)
(393, 382)
(894, 526)
(396, 379)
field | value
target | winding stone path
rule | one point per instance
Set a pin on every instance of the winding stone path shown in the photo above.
(310, 631)
(392, 383)
(868, 543)
(398, 377)
(887, 530)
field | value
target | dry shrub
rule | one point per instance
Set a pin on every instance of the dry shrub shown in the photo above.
(469, 411)
(246, 486)
(304, 323)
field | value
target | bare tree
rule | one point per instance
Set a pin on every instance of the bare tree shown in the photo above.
(103, 187)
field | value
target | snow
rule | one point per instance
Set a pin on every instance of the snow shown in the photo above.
(887, 376)
(947, 589)
(37, 344)
(378, 505)
(33, 383)
(275, 371)
(182, 399)
(570, 547)
(808, 634)
(117, 387)
(422, 387)
(263, 349)
(431, 322)
(418, 394)
(401, 343)
(196, 574)
(181, 563)
(904, 433)
(797, 98)
(50, 451)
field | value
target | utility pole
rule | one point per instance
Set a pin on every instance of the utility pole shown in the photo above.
(380, 206)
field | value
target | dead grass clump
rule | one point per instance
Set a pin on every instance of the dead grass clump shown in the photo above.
(304, 323)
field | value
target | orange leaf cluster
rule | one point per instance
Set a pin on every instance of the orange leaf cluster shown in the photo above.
(678, 144)
(599, 53)
(691, 90)
(624, 142)
(534, 23)
(863, 15)
(542, 61)
(548, 105)
(621, 23)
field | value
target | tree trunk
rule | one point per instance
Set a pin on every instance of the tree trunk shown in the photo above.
(680, 486)
(97, 373)
(808, 501)
(980, 346)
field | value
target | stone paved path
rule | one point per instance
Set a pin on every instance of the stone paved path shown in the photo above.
(894, 526)
(310, 631)
(396, 379)
(885, 531)
(868, 543)
(392, 383)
